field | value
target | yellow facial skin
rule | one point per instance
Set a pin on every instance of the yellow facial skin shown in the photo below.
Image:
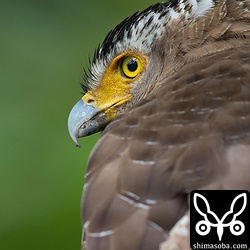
(115, 88)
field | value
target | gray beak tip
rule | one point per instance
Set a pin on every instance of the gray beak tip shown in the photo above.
(80, 121)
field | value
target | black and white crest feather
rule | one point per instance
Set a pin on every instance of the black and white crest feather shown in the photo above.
(139, 32)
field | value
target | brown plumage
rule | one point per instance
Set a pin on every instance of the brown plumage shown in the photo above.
(189, 128)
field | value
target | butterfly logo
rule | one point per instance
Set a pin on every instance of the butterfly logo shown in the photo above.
(236, 227)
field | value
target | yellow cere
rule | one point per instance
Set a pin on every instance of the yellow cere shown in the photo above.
(115, 87)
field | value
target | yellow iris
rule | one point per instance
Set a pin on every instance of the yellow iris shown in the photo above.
(131, 66)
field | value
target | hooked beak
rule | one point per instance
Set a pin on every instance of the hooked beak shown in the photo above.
(85, 120)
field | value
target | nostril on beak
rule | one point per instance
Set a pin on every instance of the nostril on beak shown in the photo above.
(89, 100)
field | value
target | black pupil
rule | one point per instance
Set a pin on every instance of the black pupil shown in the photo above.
(132, 65)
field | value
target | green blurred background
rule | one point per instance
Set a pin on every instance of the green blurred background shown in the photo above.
(44, 46)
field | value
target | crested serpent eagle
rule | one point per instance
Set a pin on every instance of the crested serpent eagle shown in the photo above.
(170, 89)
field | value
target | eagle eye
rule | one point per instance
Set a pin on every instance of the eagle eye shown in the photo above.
(131, 66)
